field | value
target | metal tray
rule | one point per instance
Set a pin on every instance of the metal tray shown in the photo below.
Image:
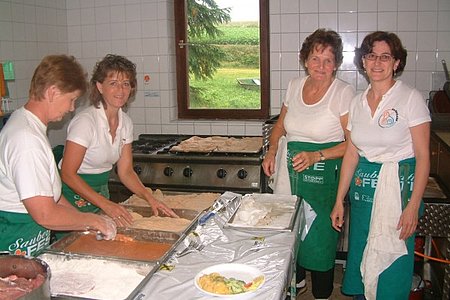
(145, 269)
(281, 217)
(137, 234)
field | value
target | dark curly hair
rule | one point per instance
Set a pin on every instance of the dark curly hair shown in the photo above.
(320, 39)
(111, 63)
(394, 43)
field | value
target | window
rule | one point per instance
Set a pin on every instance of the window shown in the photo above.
(189, 87)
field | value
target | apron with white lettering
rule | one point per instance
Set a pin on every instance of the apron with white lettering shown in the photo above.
(395, 281)
(316, 185)
(21, 235)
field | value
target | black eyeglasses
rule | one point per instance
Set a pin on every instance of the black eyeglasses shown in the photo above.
(383, 57)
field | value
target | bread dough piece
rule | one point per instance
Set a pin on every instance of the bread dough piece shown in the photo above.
(195, 201)
(160, 223)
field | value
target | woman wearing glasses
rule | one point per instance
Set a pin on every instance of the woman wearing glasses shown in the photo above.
(313, 118)
(386, 166)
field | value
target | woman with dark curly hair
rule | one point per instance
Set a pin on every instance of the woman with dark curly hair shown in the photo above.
(313, 119)
(99, 137)
(386, 166)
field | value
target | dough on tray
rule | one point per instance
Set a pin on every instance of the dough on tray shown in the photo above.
(193, 201)
(159, 223)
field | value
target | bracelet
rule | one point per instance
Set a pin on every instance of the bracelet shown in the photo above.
(322, 157)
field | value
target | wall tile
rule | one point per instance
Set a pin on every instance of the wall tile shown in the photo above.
(427, 21)
(328, 6)
(367, 21)
(309, 22)
(387, 21)
(328, 20)
(289, 6)
(407, 21)
(347, 21)
(347, 5)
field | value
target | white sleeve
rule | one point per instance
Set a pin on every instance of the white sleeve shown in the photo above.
(418, 112)
(347, 94)
(81, 130)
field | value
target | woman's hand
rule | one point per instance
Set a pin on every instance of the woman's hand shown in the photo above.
(304, 160)
(158, 206)
(408, 221)
(268, 164)
(337, 216)
(107, 227)
(118, 214)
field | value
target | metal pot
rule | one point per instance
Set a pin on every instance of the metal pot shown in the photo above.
(29, 268)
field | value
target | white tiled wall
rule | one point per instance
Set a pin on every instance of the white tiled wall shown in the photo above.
(143, 31)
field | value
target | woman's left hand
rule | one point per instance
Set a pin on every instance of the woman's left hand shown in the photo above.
(303, 160)
(158, 206)
(408, 222)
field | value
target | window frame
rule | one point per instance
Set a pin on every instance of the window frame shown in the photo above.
(182, 71)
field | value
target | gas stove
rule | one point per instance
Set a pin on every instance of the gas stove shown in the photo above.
(160, 168)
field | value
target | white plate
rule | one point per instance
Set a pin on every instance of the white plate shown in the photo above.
(237, 271)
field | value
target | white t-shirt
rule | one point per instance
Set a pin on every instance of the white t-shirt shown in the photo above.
(90, 129)
(386, 135)
(27, 165)
(319, 122)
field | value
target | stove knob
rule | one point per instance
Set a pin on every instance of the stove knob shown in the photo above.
(221, 173)
(242, 174)
(187, 172)
(137, 169)
(168, 171)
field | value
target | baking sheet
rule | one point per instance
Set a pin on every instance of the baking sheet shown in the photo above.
(163, 237)
(282, 211)
(86, 277)
(219, 144)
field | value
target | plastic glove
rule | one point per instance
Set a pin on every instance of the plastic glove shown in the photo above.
(110, 230)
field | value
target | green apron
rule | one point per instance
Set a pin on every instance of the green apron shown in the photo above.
(21, 235)
(395, 282)
(98, 182)
(316, 185)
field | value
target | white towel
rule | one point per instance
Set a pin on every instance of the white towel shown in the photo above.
(383, 243)
(281, 183)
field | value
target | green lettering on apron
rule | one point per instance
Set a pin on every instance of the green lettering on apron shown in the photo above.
(21, 235)
(316, 185)
(395, 281)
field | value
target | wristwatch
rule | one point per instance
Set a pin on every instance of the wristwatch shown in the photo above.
(322, 157)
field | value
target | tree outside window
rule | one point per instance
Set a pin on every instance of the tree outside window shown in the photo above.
(222, 65)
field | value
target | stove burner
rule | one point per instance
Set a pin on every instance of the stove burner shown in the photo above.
(151, 144)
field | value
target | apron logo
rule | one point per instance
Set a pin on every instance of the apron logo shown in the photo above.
(388, 118)
(366, 179)
(313, 179)
(80, 202)
(32, 245)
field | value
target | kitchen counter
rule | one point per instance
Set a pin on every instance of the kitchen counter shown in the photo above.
(271, 252)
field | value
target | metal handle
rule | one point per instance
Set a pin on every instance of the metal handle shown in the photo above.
(181, 44)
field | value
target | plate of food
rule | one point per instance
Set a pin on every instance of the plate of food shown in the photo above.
(229, 280)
